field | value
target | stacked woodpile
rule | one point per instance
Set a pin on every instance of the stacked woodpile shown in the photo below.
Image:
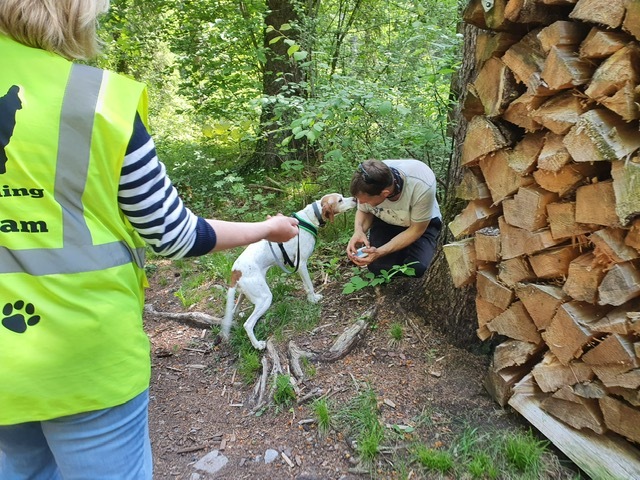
(550, 236)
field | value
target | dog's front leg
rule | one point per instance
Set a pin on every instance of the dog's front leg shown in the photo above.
(308, 285)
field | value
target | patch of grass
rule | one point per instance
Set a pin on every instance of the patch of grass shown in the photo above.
(441, 461)
(329, 267)
(217, 266)
(320, 409)
(396, 331)
(150, 269)
(466, 443)
(284, 393)
(396, 334)
(286, 315)
(249, 364)
(524, 451)
(308, 367)
(369, 444)
(182, 296)
(483, 466)
(424, 419)
(360, 417)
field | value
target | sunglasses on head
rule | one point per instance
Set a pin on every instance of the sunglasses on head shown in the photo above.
(365, 175)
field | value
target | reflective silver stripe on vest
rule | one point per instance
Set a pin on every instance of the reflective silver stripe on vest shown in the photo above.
(74, 150)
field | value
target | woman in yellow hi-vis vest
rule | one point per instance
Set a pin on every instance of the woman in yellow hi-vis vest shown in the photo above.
(81, 193)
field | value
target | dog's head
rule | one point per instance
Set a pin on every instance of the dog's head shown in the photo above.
(334, 203)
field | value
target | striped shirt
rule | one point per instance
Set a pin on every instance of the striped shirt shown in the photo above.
(151, 203)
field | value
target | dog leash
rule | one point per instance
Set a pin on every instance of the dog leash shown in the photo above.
(285, 257)
(287, 262)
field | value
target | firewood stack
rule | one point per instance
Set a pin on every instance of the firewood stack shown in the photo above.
(551, 231)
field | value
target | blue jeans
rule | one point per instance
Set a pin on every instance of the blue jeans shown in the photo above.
(109, 444)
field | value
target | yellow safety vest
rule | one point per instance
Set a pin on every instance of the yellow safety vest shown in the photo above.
(71, 266)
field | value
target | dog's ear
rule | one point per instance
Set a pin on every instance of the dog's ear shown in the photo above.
(327, 209)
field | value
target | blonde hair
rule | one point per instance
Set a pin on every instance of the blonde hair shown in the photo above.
(65, 27)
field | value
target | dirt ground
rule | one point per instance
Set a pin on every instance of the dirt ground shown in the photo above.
(199, 403)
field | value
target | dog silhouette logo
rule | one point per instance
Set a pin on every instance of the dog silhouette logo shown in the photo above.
(10, 103)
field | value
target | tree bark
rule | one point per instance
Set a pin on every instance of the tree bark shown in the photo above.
(279, 70)
(450, 310)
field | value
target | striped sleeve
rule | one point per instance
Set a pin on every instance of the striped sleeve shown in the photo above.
(152, 205)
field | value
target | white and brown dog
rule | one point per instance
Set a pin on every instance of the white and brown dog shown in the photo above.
(249, 271)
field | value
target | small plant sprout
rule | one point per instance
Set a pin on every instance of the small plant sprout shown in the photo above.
(358, 283)
(248, 365)
(321, 410)
(396, 334)
(308, 367)
(284, 393)
(433, 459)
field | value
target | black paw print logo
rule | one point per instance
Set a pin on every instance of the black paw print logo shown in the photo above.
(19, 315)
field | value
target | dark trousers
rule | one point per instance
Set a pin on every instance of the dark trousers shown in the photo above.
(420, 251)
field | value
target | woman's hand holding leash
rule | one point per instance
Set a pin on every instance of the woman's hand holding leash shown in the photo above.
(281, 228)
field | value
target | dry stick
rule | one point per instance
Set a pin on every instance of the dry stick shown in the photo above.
(197, 319)
(264, 187)
(191, 449)
(313, 394)
(415, 328)
(345, 342)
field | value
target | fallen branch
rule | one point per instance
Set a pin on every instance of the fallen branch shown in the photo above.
(314, 394)
(349, 339)
(264, 187)
(195, 319)
(344, 344)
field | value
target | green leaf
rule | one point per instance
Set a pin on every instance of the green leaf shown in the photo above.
(275, 39)
(207, 131)
(348, 288)
(293, 49)
(403, 428)
(284, 27)
(385, 108)
(286, 141)
(301, 55)
(300, 134)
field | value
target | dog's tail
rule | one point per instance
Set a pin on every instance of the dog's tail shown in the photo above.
(228, 313)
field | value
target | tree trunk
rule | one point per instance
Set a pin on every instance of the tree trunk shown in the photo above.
(451, 310)
(280, 70)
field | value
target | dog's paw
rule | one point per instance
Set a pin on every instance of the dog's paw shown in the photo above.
(260, 344)
(314, 298)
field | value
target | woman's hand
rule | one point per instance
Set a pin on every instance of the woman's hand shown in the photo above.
(281, 228)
